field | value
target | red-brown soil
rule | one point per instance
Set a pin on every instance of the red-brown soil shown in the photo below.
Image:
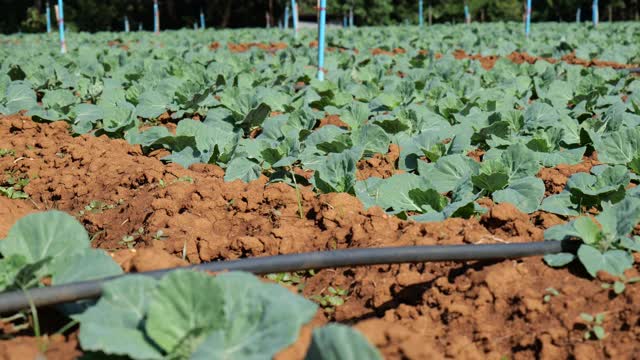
(333, 120)
(242, 47)
(555, 179)
(55, 347)
(488, 62)
(379, 165)
(414, 311)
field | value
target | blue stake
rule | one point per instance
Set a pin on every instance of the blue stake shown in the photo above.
(351, 18)
(527, 28)
(578, 16)
(467, 16)
(63, 44)
(140, 26)
(420, 15)
(321, 25)
(344, 21)
(156, 17)
(294, 13)
(126, 24)
(202, 22)
(594, 13)
(286, 17)
(48, 15)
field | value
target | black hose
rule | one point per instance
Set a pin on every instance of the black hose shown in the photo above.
(631, 70)
(59, 294)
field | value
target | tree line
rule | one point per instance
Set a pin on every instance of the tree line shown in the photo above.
(107, 15)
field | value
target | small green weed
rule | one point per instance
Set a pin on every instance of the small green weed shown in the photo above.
(163, 184)
(594, 326)
(159, 235)
(132, 240)
(619, 286)
(97, 207)
(7, 152)
(14, 185)
(292, 279)
(549, 293)
(333, 299)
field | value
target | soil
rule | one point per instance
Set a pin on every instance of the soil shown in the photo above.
(333, 120)
(379, 165)
(555, 179)
(473, 310)
(488, 62)
(55, 347)
(243, 47)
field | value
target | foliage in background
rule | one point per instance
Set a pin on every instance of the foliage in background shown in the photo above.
(96, 15)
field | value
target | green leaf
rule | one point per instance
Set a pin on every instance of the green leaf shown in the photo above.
(620, 219)
(256, 116)
(525, 194)
(85, 115)
(55, 243)
(493, 176)
(560, 204)
(20, 96)
(615, 262)
(9, 269)
(59, 99)
(522, 162)
(188, 156)
(152, 104)
(114, 325)
(148, 137)
(182, 308)
(43, 235)
(95, 264)
(243, 169)
(428, 200)
(391, 193)
(618, 287)
(356, 115)
(620, 147)
(634, 165)
(260, 319)
(587, 317)
(588, 230)
(599, 332)
(372, 138)
(449, 171)
(191, 315)
(337, 173)
(559, 260)
(340, 342)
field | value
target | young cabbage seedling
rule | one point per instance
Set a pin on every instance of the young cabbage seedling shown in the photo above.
(7, 152)
(619, 286)
(333, 299)
(550, 292)
(607, 239)
(594, 326)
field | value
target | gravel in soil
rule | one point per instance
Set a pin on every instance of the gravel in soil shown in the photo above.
(413, 311)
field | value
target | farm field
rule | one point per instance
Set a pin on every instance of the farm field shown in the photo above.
(157, 151)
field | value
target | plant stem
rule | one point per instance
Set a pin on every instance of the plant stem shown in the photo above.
(64, 329)
(36, 321)
(293, 176)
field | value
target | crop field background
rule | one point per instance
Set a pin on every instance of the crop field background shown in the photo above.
(136, 151)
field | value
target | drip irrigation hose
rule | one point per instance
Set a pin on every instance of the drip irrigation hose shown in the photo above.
(54, 295)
